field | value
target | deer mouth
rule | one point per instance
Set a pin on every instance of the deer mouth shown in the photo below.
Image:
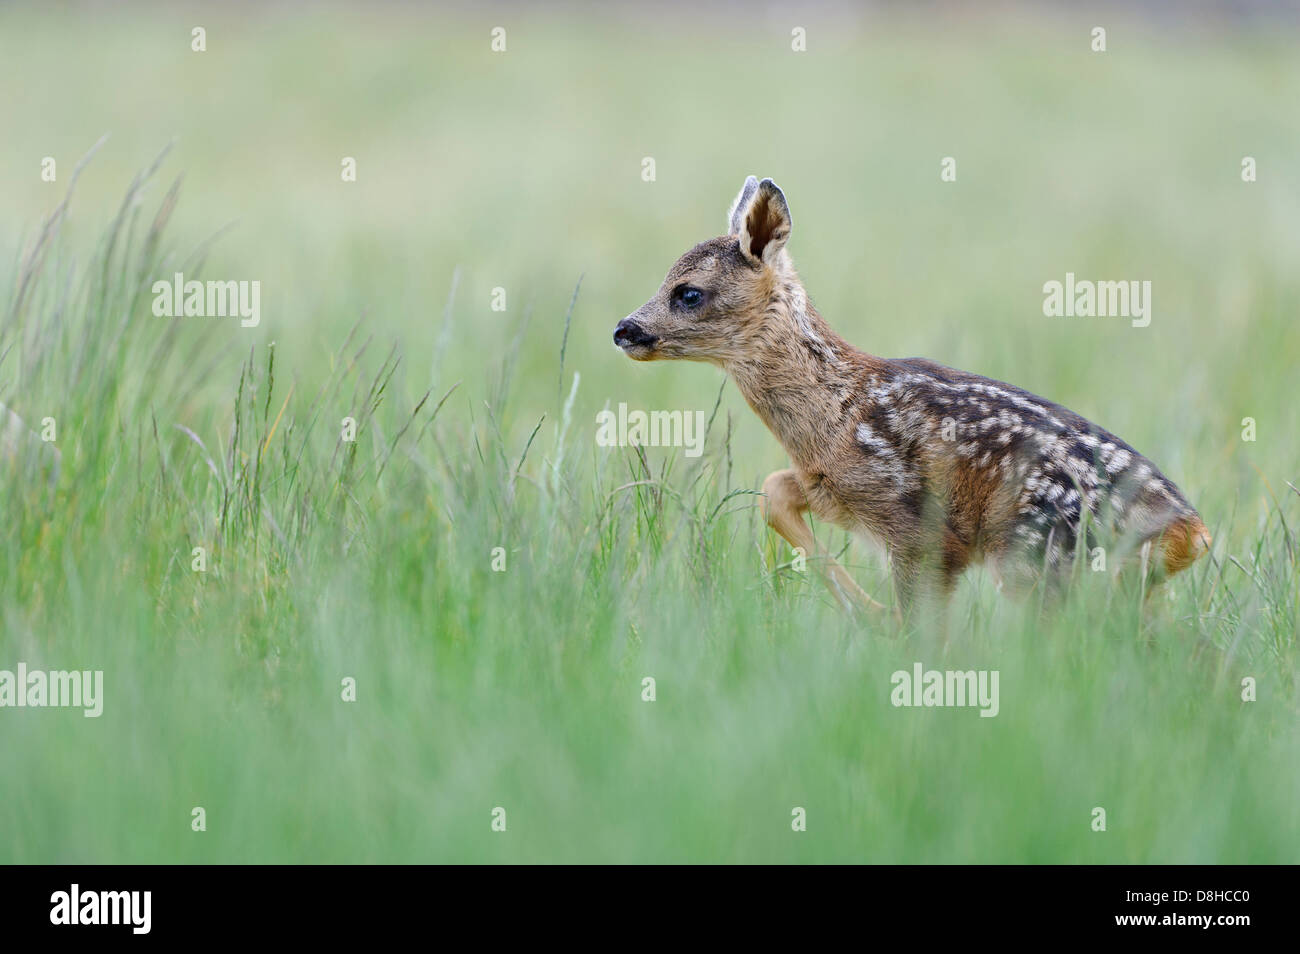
(634, 341)
(639, 352)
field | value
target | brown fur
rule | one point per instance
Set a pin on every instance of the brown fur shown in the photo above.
(944, 467)
(1183, 543)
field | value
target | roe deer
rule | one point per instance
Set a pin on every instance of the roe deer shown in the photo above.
(943, 467)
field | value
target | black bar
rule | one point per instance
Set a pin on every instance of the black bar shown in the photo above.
(367, 903)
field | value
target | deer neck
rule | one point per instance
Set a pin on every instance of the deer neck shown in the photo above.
(800, 377)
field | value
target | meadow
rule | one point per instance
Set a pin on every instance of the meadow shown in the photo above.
(496, 583)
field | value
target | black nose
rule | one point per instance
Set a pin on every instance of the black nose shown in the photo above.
(629, 332)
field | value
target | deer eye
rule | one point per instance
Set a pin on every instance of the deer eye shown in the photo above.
(688, 296)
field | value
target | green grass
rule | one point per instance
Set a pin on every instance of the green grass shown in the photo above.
(522, 689)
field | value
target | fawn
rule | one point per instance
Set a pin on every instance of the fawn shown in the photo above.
(944, 468)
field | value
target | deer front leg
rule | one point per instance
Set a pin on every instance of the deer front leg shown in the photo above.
(783, 506)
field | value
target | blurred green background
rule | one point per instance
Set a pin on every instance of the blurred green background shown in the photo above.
(522, 689)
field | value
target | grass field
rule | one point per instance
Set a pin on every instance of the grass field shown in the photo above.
(522, 689)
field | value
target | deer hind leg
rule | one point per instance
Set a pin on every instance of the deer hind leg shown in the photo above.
(1182, 543)
(783, 506)
(1172, 550)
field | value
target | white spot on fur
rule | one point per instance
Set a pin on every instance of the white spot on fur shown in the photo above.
(1118, 461)
(884, 463)
(867, 437)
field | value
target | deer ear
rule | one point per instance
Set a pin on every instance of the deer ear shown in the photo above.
(764, 223)
(741, 203)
